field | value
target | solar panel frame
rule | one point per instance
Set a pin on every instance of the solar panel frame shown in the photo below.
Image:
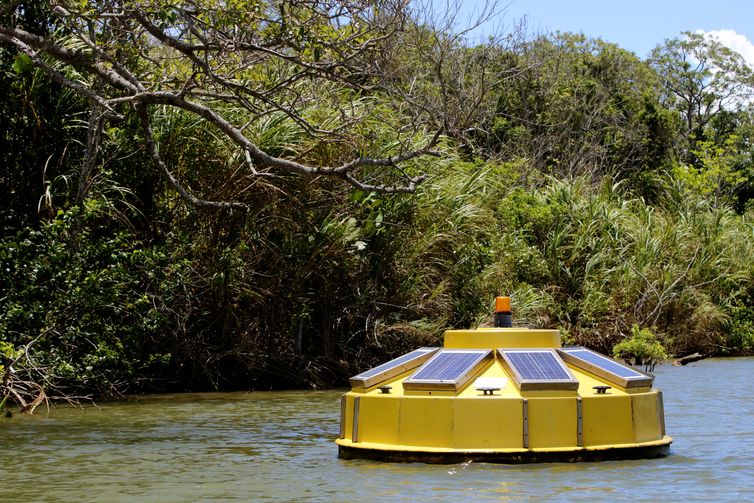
(459, 372)
(600, 365)
(525, 382)
(608, 364)
(393, 368)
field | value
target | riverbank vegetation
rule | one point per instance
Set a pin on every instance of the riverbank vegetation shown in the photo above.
(249, 194)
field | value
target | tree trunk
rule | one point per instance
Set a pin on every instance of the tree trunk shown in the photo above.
(96, 119)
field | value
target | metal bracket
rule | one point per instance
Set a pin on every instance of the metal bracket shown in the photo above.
(488, 391)
(579, 423)
(526, 422)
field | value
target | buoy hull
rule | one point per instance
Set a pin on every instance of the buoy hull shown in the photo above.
(646, 451)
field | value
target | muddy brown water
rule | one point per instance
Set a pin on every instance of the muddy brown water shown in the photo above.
(278, 446)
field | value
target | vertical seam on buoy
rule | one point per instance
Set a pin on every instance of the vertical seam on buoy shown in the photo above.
(355, 432)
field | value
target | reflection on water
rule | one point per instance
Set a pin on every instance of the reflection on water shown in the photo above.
(278, 447)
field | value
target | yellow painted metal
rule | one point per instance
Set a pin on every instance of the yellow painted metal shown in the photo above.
(646, 416)
(607, 419)
(493, 338)
(426, 421)
(378, 419)
(552, 422)
(347, 428)
(664, 441)
(507, 422)
(487, 423)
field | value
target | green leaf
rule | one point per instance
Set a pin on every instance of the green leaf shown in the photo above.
(22, 64)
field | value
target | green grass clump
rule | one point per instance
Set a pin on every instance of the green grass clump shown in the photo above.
(641, 348)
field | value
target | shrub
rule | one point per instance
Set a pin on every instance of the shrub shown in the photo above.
(642, 348)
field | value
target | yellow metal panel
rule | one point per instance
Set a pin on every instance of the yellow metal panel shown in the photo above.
(552, 422)
(494, 370)
(378, 419)
(347, 426)
(356, 419)
(493, 338)
(647, 426)
(343, 401)
(426, 421)
(607, 419)
(563, 393)
(487, 423)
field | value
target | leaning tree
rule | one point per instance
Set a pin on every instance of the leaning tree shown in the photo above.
(232, 63)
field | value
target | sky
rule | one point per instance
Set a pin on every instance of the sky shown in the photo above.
(636, 25)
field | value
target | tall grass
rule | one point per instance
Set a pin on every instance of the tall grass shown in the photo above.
(591, 259)
(612, 261)
(315, 281)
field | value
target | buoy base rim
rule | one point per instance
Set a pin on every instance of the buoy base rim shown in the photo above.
(518, 456)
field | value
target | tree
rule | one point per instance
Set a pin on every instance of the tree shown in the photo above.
(577, 105)
(717, 177)
(232, 63)
(701, 79)
(39, 132)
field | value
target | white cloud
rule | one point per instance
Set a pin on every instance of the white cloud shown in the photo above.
(734, 41)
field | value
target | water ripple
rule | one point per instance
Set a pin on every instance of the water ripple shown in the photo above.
(278, 447)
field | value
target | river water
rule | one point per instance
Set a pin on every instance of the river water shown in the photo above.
(278, 446)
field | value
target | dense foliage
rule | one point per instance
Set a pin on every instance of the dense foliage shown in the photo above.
(587, 188)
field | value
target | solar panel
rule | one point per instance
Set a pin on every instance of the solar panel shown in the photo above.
(603, 362)
(538, 365)
(538, 369)
(394, 367)
(607, 368)
(448, 369)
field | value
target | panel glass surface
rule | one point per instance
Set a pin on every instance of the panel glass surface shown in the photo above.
(448, 365)
(603, 362)
(538, 365)
(394, 363)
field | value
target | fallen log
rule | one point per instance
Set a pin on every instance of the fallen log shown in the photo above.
(685, 360)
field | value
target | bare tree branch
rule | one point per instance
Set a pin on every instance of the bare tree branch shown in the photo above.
(155, 155)
(233, 68)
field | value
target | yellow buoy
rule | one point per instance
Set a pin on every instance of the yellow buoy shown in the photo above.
(504, 395)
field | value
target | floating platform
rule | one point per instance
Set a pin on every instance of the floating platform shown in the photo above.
(509, 395)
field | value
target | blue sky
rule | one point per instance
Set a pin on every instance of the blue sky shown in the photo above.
(636, 25)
